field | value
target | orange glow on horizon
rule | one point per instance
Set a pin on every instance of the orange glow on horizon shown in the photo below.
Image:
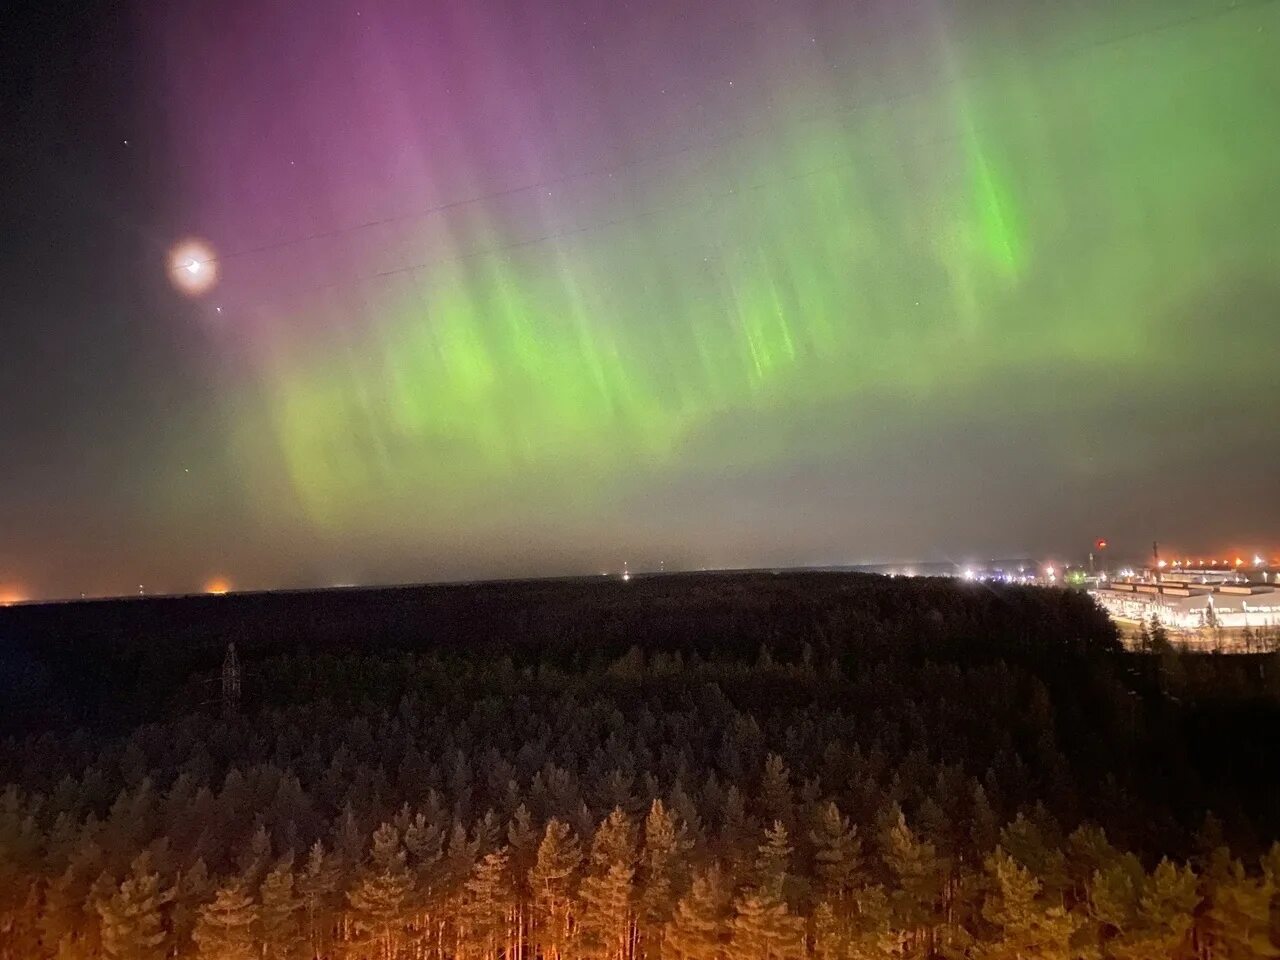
(12, 595)
(1232, 558)
(217, 586)
(1237, 556)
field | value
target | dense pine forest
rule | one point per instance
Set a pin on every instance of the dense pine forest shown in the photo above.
(746, 766)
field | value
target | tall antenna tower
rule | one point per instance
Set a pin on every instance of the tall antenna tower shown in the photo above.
(230, 680)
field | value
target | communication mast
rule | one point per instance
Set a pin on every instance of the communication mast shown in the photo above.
(1155, 560)
(230, 680)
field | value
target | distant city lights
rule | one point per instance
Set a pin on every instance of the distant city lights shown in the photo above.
(1189, 569)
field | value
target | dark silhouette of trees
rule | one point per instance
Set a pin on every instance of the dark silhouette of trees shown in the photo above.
(756, 766)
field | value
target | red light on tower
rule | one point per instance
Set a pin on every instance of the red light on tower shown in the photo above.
(1101, 544)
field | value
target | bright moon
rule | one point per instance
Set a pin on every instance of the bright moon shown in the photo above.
(193, 269)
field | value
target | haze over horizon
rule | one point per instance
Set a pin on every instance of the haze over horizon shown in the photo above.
(507, 289)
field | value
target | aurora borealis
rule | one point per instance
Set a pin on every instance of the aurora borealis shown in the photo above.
(510, 288)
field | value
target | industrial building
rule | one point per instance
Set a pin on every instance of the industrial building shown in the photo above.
(1191, 599)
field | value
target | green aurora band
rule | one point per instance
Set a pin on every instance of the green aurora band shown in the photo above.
(1029, 203)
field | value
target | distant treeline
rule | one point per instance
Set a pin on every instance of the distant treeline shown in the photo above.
(689, 768)
(118, 662)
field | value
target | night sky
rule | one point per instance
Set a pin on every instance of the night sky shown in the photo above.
(508, 287)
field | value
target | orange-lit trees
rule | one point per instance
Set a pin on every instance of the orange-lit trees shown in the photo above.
(486, 908)
(1027, 924)
(132, 917)
(225, 926)
(552, 885)
(317, 887)
(662, 869)
(606, 919)
(280, 932)
(380, 899)
(762, 926)
(697, 928)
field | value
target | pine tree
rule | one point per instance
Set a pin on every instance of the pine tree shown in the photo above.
(1161, 921)
(1113, 894)
(280, 933)
(605, 894)
(1160, 636)
(773, 859)
(763, 929)
(830, 937)
(984, 830)
(697, 925)
(64, 923)
(380, 898)
(1026, 843)
(1143, 639)
(193, 889)
(870, 925)
(735, 826)
(459, 861)
(430, 868)
(1027, 926)
(224, 928)
(133, 923)
(318, 890)
(485, 907)
(19, 921)
(551, 883)
(664, 844)
(1088, 851)
(523, 841)
(254, 859)
(918, 875)
(776, 795)
(762, 926)
(1239, 917)
(837, 856)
